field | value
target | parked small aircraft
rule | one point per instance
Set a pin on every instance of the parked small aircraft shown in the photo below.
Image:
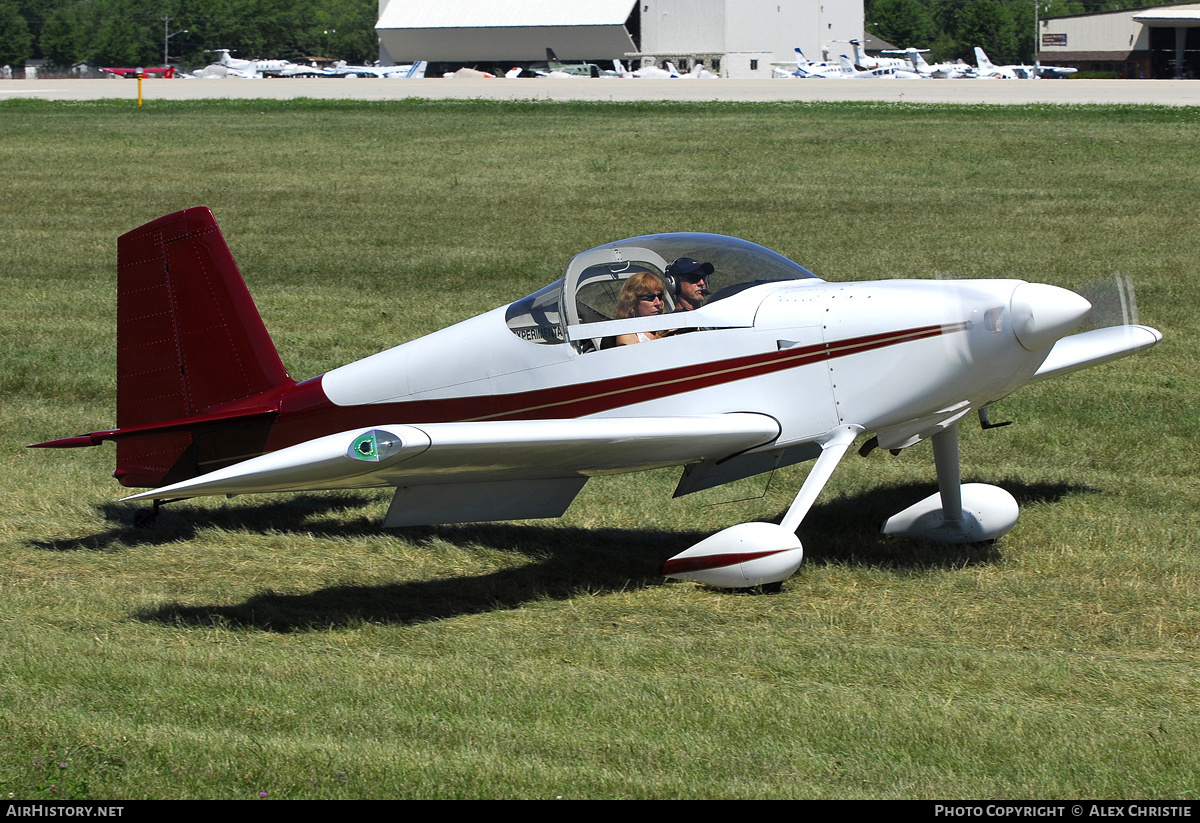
(698, 72)
(645, 72)
(986, 69)
(302, 70)
(506, 415)
(862, 60)
(1052, 72)
(250, 67)
(218, 71)
(844, 68)
(1016, 71)
(411, 71)
(885, 72)
(916, 57)
(227, 66)
(555, 68)
(803, 67)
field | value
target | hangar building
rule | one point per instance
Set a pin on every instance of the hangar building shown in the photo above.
(736, 38)
(1156, 42)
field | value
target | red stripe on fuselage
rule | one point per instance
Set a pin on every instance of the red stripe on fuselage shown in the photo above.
(307, 413)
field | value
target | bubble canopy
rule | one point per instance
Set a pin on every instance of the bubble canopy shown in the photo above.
(588, 289)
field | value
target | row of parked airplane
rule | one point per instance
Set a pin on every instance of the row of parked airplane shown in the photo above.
(555, 68)
(228, 66)
(671, 72)
(912, 66)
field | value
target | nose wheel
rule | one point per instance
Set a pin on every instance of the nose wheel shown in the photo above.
(973, 513)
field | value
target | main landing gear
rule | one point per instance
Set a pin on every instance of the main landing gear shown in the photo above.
(753, 555)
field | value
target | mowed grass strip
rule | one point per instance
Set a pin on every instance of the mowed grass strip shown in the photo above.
(286, 647)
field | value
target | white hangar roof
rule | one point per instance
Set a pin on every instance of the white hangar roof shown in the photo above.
(486, 30)
(1166, 16)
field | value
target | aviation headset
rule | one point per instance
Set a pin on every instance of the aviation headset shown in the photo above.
(682, 267)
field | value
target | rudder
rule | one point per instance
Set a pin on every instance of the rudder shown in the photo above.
(190, 342)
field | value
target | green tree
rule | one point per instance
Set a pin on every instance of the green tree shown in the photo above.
(355, 41)
(903, 23)
(64, 36)
(36, 12)
(124, 42)
(989, 24)
(945, 48)
(16, 43)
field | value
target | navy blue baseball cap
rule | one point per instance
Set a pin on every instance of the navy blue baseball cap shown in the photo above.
(687, 267)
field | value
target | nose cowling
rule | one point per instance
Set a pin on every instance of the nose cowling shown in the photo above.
(1042, 314)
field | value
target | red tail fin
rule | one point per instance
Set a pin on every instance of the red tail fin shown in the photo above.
(190, 343)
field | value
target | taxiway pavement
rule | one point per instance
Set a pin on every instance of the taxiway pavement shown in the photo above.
(974, 91)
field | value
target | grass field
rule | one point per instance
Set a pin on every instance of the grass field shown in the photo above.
(286, 647)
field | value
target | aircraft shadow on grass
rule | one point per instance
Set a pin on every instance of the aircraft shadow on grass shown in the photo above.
(314, 514)
(565, 561)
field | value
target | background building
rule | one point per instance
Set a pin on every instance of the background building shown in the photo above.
(736, 38)
(1159, 42)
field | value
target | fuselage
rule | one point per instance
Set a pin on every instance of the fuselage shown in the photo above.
(774, 359)
(811, 354)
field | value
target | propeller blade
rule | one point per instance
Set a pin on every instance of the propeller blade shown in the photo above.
(1113, 302)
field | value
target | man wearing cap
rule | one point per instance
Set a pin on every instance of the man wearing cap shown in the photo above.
(691, 282)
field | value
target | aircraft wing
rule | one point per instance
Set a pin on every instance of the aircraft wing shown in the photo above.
(494, 470)
(1079, 351)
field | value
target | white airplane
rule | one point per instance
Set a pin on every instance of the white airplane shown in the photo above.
(845, 69)
(1021, 72)
(987, 69)
(794, 68)
(698, 72)
(216, 71)
(506, 415)
(556, 68)
(1052, 72)
(803, 67)
(410, 71)
(645, 72)
(467, 73)
(221, 70)
(228, 66)
(916, 58)
(250, 67)
(892, 72)
(864, 61)
(301, 70)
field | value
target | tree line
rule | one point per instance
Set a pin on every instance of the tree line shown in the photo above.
(132, 32)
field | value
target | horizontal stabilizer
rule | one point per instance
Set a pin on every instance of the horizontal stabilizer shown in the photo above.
(1079, 351)
(510, 450)
(166, 427)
